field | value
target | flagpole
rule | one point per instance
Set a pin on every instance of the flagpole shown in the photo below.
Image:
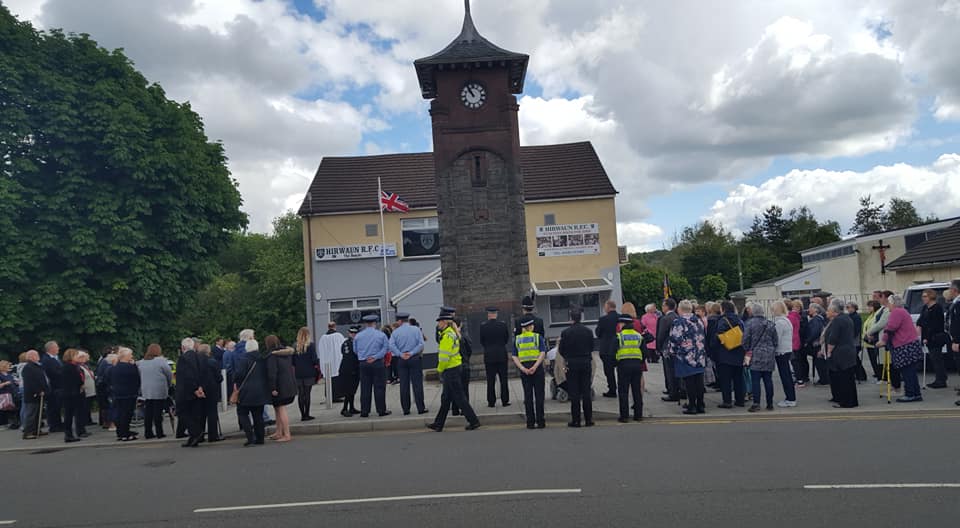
(383, 250)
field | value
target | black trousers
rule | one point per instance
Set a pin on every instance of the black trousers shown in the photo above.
(31, 417)
(304, 392)
(453, 393)
(939, 367)
(629, 374)
(411, 376)
(843, 384)
(54, 401)
(211, 417)
(670, 378)
(534, 386)
(610, 372)
(153, 417)
(125, 408)
(695, 390)
(801, 367)
(823, 370)
(254, 430)
(731, 377)
(464, 383)
(72, 416)
(191, 413)
(373, 385)
(103, 402)
(495, 370)
(580, 388)
(874, 355)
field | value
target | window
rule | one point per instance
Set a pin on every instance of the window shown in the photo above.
(371, 230)
(421, 237)
(829, 254)
(478, 170)
(590, 303)
(912, 241)
(549, 219)
(347, 313)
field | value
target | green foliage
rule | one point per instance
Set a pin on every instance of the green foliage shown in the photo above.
(112, 200)
(261, 287)
(900, 214)
(869, 219)
(712, 288)
(643, 283)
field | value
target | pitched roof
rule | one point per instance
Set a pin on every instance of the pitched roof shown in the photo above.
(470, 48)
(550, 172)
(942, 249)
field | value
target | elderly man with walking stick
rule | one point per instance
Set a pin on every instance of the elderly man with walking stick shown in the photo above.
(35, 387)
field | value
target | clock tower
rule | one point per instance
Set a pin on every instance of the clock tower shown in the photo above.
(476, 152)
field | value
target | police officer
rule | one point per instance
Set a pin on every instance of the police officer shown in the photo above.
(576, 347)
(530, 350)
(629, 369)
(527, 306)
(348, 377)
(406, 344)
(371, 346)
(449, 366)
(466, 352)
(494, 337)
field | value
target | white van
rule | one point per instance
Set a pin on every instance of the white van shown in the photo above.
(913, 297)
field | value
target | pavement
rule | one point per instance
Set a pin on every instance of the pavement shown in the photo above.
(744, 471)
(812, 403)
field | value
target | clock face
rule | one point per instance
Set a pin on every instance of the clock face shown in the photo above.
(473, 95)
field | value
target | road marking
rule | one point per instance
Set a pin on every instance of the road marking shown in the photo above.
(879, 486)
(813, 418)
(392, 499)
(7, 523)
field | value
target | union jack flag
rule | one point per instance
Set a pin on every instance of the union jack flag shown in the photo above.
(391, 203)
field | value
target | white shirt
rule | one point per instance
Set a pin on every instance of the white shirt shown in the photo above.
(329, 353)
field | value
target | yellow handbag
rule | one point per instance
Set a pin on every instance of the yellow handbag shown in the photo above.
(733, 337)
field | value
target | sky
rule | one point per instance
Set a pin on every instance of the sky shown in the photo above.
(698, 110)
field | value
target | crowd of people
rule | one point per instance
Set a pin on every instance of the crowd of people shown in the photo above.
(699, 346)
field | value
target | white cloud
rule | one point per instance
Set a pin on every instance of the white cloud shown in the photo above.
(832, 195)
(639, 236)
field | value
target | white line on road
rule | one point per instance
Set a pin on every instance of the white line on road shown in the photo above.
(392, 499)
(879, 486)
(7, 523)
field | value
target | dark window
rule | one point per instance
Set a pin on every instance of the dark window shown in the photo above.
(421, 237)
(371, 230)
(549, 219)
(590, 303)
(478, 170)
(351, 312)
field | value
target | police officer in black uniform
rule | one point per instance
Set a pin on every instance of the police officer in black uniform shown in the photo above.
(494, 337)
(527, 306)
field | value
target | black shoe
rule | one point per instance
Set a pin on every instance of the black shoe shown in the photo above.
(741, 404)
(665, 392)
(248, 443)
(14, 426)
(754, 408)
(364, 415)
(269, 422)
(506, 404)
(84, 435)
(180, 436)
(701, 410)
(192, 442)
(541, 425)
(623, 420)
(354, 411)
(937, 385)
(434, 427)
(609, 394)
(71, 440)
(34, 437)
(769, 406)
(385, 413)
(473, 426)
(531, 426)
(638, 418)
(161, 436)
(425, 411)
(307, 418)
(149, 436)
(690, 411)
(406, 413)
(957, 403)
(491, 405)
(346, 414)
(589, 424)
(669, 399)
(725, 406)
(573, 424)
(130, 438)
(216, 439)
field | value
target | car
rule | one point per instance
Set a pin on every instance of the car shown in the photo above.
(913, 297)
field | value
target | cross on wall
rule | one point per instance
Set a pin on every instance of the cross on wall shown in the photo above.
(882, 248)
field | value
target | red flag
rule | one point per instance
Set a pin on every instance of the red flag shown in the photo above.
(391, 203)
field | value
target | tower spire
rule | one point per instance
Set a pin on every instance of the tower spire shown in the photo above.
(469, 31)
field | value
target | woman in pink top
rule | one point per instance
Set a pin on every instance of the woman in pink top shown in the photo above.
(906, 352)
(649, 323)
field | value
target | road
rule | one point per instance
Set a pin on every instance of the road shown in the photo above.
(746, 472)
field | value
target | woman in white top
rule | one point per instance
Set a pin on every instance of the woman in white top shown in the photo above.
(784, 353)
(89, 390)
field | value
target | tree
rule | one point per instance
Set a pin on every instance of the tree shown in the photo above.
(112, 200)
(260, 285)
(869, 219)
(900, 214)
(712, 288)
(643, 284)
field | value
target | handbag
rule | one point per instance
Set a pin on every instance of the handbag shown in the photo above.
(733, 337)
(7, 403)
(235, 395)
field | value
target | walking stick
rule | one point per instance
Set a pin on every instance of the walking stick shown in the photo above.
(926, 351)
(39, 418)
(888, 367)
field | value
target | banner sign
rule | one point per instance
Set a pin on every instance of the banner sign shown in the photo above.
(360, 251)
(568, 239)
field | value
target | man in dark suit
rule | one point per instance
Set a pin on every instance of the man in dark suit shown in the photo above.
(576, 348)
(952, 324)
(35, 388)
(494, 336)
(53, 368)
(606, 344)
(189, 394)
(528, 307)
(663, 342)
(210, 379)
